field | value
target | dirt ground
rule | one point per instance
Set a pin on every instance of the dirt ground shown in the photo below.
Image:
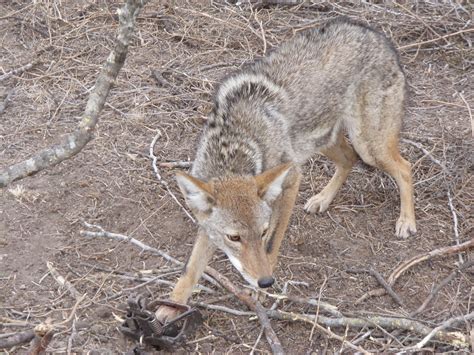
(181, 51)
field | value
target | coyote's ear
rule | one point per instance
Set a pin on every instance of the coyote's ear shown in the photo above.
(196, 192)
(271, 183)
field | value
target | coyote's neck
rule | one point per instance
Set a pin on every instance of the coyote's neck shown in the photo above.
(232, 142)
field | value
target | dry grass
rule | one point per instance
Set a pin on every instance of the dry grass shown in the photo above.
(182, 49)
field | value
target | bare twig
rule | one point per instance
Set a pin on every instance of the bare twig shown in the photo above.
(381, 281)
(323, 306)
(162, 181)
(7, 322)
(416, 260)
(72, 314)
(18, 70)
(62, 281)
(428, 255)
(157, 280)
(257, 341)
(469, 111)
(436, 39)
(426, 152)
(262, 30)
(220, 308)
(455, 221)
(71, 338)
(175, 164)
(443, 283)
(124, 238)
(75, 141)
(136, 242)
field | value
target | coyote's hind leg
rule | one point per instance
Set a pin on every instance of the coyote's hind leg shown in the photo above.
(344, 156)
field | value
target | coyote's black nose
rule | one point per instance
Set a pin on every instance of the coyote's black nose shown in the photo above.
(265, 282)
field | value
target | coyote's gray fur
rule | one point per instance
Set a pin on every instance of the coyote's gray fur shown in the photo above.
(268, 120)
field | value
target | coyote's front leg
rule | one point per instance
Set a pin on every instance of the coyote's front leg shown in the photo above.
(197, 262)
(283, 214)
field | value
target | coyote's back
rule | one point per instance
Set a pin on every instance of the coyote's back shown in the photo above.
(302, 95)
(331, 78)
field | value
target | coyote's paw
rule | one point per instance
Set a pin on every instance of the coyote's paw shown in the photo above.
(405, 227)
(166, 313)
(318, 203)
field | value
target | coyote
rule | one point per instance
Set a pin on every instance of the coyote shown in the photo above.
(268, 120)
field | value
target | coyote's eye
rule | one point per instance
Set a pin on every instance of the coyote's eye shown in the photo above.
(233, 238)
(264, 233)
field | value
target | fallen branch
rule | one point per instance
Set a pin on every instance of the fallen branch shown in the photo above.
(17, 339)
(125, 238)
(255, 306)
(390, 323)
(75, 141)
(220, 308)
(323, 306)
(454, 338)
(438, 329)
(12, 323)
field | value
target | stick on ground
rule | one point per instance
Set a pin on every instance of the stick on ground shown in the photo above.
(75, 141)
(17, 339)
(255, 306)
(62, 281)
(416, 260)
(381, 281)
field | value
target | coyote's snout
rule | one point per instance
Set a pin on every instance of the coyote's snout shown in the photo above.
(305, 97)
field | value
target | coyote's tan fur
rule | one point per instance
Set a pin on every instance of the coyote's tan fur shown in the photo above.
(268, 120)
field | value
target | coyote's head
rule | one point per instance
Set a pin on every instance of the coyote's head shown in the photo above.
(238, 214)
